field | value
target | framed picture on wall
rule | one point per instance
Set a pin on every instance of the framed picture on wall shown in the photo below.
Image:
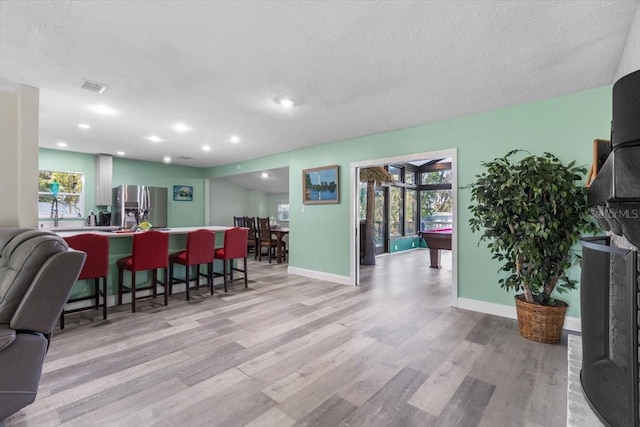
(183, 193)
(320, 185)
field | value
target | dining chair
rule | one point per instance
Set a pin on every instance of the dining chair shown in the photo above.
(239, 221)
(267, 240)
(200, 250)
(252, 239)
(148, 252)
(235, 247)
(95, 267)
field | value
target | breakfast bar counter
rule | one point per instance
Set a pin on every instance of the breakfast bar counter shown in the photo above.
(120, 246)
(114, 232)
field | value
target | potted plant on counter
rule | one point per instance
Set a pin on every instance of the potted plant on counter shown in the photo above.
(531, 211)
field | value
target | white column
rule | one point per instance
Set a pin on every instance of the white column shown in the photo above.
(19, 119)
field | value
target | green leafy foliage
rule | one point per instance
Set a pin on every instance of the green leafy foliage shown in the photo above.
(532, 213)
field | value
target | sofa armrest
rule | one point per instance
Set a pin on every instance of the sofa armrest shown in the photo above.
(44, 300)
(7, 336)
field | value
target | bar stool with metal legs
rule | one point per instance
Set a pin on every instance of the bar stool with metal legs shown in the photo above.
(149, 251)
(235, 247)
(95, 267)
(200, 247)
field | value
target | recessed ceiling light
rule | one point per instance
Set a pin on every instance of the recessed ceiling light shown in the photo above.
(84, 126)
(167, 159)
(206, 148)
(265, 175)
(286, 102)
(181, 127)
(103, 109)
(120, 153)
(62, 144)
(235, 138)
(154, 138)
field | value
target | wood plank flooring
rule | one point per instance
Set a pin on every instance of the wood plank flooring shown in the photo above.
(292, 351)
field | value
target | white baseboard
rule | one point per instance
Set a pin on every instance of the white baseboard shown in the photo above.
(570, 323)
(313, 274)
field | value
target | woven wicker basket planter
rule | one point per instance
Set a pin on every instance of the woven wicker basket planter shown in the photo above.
(540, 323)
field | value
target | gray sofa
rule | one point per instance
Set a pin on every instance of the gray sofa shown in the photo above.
(37, 271)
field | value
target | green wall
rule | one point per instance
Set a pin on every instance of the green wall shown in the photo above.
(565, 126)
(181, 214)
(126, 171)
(399, 244)
(227, 200)
(258, 204)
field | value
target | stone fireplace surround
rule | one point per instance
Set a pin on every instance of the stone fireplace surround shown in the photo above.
(609, 286)
(609, 313)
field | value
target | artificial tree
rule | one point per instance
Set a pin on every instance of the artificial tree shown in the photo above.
(532, 213)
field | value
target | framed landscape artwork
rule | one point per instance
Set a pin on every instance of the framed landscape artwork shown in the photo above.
(320, 185)
(183, 193)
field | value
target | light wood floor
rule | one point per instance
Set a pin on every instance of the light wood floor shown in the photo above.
(295, 351)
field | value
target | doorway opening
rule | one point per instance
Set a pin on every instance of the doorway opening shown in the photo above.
(387, 220)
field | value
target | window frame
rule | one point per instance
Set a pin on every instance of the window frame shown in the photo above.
(281, 212)
(427, 168)
(80, 207)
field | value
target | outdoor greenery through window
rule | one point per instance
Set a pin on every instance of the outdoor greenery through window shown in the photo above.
(379, 218)
(67, 188)
(435, 209)
(396, 206)
(362, 205)
(396, 173)
(436, 177)
(419, 199)
(411, 209)
(435, 200)
(283, 211)
(410, 177)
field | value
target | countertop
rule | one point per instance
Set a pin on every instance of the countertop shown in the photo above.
(110, 231)
(81, 228)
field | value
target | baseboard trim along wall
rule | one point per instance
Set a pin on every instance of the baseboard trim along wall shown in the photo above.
(570, 323)
(313, 274)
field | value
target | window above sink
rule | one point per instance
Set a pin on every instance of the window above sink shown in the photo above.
(69, 193)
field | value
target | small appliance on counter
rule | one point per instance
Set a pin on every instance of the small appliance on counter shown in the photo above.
(104, 219)
(91, 220)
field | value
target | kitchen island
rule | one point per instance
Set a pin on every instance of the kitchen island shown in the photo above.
(120, 246)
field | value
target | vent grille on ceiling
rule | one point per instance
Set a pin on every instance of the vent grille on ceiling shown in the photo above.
(93, 86)
(184, 158)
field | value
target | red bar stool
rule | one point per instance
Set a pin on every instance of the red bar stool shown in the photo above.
(201, 245)
(148, 252)
(95, 267)
(235, 247)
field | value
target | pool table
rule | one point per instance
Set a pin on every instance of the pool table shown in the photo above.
(437, 240)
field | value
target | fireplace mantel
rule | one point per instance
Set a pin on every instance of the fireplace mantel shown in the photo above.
(614, 195)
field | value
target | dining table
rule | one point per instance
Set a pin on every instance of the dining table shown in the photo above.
(280, 232)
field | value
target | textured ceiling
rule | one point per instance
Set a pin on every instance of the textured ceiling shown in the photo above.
(353, 68)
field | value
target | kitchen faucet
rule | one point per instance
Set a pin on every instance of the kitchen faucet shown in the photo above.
(54, 212)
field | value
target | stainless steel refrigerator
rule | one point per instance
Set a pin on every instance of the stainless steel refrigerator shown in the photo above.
(133, 204)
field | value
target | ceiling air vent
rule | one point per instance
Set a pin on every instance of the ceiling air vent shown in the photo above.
(184, 158)
(93, 86)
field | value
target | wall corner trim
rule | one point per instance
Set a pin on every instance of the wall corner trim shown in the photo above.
(320, 275)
